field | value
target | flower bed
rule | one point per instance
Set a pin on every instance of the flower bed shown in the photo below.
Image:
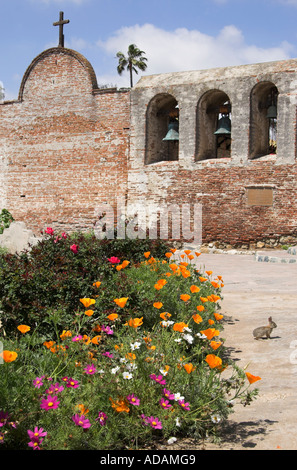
(142, 358)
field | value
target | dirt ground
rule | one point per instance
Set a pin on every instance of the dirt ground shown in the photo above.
(253, 291)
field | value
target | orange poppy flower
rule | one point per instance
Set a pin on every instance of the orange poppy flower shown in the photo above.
(125, 263)
(96, 339)
(210, 333)
(82, 409)
(89, 313)
(197, 318)
(97, 284)
(202, 279)
(173, 266)
(120, 405)
(179, 326)
(135, 322)
(215, 344)
(215, 284)
(197, 253)
(49, 344)
(194, 288)
(87, 302)
(200, 308)
(183, 264)
(218, 316)
(173, 250)
(187, 252)
(210, 321)
(130, 356)
(185, 297)
(165, 315)
(168, 255)
(66, 334)
(112, 316)
(213, 361)
(8, 356)
(158, 304)
(189, 368)
(97, 328)
(252, 378)
(203, 299)
(186, 273)
(121, 302)
(24, 328)
(191, 257)
(147, 254)
(208, 272)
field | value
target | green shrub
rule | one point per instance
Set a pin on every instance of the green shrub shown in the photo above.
(5, 219)
(47, 278)
(144, 360)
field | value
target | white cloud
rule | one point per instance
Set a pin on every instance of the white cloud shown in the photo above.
(183, 49)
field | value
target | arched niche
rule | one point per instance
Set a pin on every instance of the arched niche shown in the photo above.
(263, 120)
(161, 116)
(212, 107)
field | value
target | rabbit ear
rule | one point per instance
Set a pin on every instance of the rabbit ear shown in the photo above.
(270, 319)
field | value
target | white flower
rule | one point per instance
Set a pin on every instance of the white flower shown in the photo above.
(172, 440)
(177, 396)
(177, 422)
(115, 369)
(127, 376)
(131, 366)
(215, 418)
(123, 360)
(163, 371)
(187, 329)
(167, 322)
(135, 345)
(202, 336)
(189, 338)
(178, 340)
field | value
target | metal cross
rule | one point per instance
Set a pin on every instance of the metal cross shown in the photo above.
(61, 23)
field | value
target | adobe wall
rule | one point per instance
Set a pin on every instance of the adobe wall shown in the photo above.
(64, 144)
(243, 199)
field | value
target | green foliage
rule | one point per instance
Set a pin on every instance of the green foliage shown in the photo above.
(47, 278)
(5, 219)
(147, 360)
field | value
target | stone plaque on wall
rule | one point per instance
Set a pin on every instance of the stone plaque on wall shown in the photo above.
(260, 196)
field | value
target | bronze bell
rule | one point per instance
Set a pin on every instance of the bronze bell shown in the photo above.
(224, 126)
(172, 133)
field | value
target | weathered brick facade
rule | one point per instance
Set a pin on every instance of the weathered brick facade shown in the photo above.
(67, 146)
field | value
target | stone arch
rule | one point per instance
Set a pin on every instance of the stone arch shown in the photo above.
(89, 73)
(162, 113)
(262, 135)
(212, 106)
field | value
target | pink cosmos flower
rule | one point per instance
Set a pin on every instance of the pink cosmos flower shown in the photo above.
(55, 389)
(38, 382)
(158, 379)
(64, 235)
(36, 434)
(165, 404)
(154, 422)
(49, 403)
(133, 399)
(107, 354)
(90, 369)
(102, 418)
(71, 383)
(3, 418)
(168, 394)
(184, 405)
(81, 421)
(74, 248)
(114, 260)
(107, 330)
(76, 338)
(49, 231)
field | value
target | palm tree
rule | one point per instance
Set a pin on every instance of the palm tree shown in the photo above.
(135, 60)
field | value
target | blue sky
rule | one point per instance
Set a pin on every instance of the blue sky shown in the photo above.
(175, 35)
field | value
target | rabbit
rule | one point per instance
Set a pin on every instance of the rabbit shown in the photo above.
(264, 330)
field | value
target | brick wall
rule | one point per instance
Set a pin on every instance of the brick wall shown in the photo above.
(64, 144)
